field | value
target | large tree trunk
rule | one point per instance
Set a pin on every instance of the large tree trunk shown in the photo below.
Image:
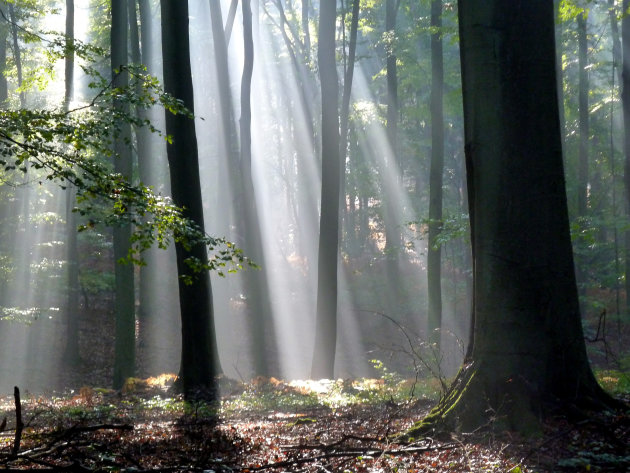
(528, 352)
(200, 359)
(625, 100)
(434, 250)
(124, 350)
(326, 316)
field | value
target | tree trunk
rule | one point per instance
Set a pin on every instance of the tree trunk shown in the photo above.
(434, 250)
(71, 353)
(625, 101)
(264, 346)
(124, 350)
(583, 118)
(17, 54)
(305, 30)
(345, 103)
(326, 316)
(393, 237)
(4, 34)
(528, 353)
(200, 359)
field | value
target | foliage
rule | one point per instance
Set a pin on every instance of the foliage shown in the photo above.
(614, 381)
(70, 147)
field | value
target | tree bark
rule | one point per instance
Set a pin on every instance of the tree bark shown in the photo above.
(326, 315)
(527, 355)
(434, 250)
(124, 349)
(625, 101)
(200, 359)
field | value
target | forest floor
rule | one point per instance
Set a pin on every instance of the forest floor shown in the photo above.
(270, 425)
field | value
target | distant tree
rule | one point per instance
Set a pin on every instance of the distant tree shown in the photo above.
(124, 307)
(434, 250)
(4, 33)
(583, 87)
(71, 354)
(17, 53)
(527, 356)
(200, 359)
(263, 343)
(326, 312)
(344, 120)
(393, 237)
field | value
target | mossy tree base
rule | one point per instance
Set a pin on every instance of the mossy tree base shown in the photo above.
(475, 402)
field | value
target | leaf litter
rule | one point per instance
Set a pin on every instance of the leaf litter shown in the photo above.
(273, 426)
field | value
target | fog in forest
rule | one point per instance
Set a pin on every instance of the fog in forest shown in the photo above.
(384, 210)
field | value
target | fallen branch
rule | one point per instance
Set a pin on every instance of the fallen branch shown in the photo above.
(332, 445)
(349, 453)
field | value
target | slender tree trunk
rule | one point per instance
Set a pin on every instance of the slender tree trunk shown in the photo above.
(4, 34)
(528, 356)
(229, 23)
(434, 250)
(392, 233)
(345, 100)
(71, 354)
(124, 349)
(306, 29)
(259, 304)
(140, 47)
(69, 59)
(326, 316)
(583, 87)
(17, 54)
(200, 359)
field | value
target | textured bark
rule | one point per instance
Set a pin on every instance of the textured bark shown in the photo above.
(527, 355)
(124, 349)
(434, 251)
(200, 360)
(326, 316)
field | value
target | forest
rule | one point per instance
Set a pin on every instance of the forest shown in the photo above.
(315, 235)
